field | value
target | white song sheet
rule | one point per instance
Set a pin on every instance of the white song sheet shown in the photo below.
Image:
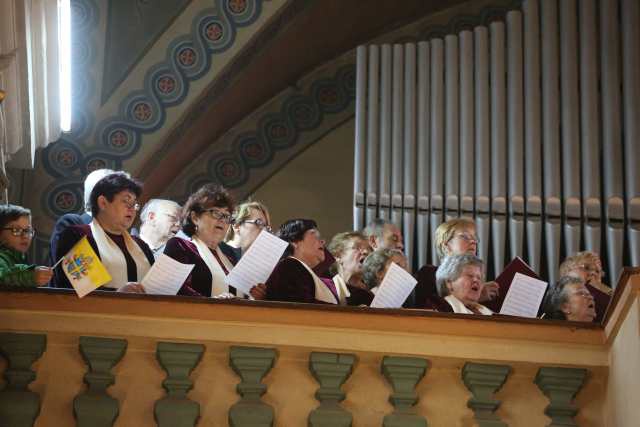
(166, 276)
(257, 264)
(394, 289)
(524, 296)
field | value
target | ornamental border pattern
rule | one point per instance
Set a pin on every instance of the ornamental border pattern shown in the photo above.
(142, 111)
(255, 148)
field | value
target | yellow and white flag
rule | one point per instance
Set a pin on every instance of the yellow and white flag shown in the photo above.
(84, 269)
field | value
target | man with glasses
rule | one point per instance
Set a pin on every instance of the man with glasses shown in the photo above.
(160, 221)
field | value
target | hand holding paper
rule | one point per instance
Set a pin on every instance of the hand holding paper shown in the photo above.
(394, 289)
(257, 264)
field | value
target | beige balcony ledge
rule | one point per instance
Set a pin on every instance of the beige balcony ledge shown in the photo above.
(441, 359)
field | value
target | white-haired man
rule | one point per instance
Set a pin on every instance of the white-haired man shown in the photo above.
(159, 221)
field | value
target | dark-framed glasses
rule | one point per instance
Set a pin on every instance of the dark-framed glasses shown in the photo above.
(219, 215)
(17, 232)
(131, 204)
(259, 223)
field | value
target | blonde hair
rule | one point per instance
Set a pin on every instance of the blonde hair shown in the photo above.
(243, 212)
(339, 242)
(446, 231)
(578, 261)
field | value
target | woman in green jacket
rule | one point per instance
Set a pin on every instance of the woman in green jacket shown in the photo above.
(15, 238)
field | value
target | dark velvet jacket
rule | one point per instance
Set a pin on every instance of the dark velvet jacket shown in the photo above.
(64, 222)
(198, 282)
(427, 292)
(72, 235)
(290, 281)
(359, 296)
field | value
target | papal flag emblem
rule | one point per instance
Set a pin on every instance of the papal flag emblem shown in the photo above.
(84, 269)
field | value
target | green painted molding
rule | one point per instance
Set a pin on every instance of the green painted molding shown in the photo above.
(331, 370)
(404, 373)
(178, 360)
(94, 407)
(561, 385)
(483, 381)
(19, 407)
(251, 364)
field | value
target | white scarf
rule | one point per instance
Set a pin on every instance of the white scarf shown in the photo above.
(218, 286)
(343, 290)
(459, 307)
(113, 258)
(322, 291)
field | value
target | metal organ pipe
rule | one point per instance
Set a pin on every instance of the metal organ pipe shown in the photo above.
(529, 123)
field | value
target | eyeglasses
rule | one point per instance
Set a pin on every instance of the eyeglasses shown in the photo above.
(589, 269)
(584, 294)
(131, 204)
(17, 232)
(258, 223)
(467, 237)
(219, 215)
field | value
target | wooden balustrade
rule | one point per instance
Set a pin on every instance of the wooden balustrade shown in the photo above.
(180, 361)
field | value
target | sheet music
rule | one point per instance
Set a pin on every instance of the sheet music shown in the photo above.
(524, 296)
(166, 276)
(257, 264)
(394, 289)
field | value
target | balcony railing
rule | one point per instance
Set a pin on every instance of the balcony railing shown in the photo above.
(131, 360)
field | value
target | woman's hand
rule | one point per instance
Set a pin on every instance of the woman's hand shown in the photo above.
(42, 275)
(132, 288)
(259, 292)
(490, 291)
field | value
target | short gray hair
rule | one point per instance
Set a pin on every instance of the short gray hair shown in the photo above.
(154, 205)
(376, 228)
(451, 269)
(557, 296)
(375, 263)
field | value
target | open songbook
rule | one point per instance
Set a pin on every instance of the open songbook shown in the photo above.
(517, 265)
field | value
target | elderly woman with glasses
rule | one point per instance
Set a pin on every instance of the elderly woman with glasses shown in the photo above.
(587, 267)
(15, 238)
(569, 299)
(114, 206)
(459, 282)
(454, 237)
(206, 217)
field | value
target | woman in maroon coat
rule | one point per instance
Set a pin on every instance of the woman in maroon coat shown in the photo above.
(293, 279)
(205, 221)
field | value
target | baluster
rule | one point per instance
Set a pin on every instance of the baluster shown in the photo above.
(560, 385)
(19, 407)
(94, 407)
(331, 370)
(251, 364)
(404, 373)
(178, 360)
(483, 381)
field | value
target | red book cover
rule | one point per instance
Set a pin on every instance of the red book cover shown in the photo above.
(517, 265)
(601, 295)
